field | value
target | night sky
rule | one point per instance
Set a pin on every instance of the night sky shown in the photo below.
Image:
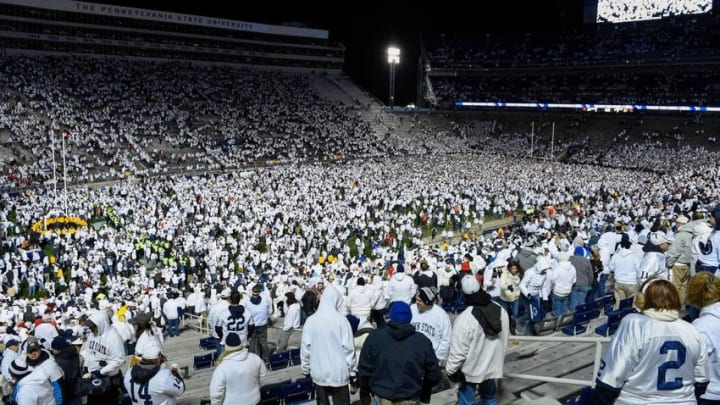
(368, 30)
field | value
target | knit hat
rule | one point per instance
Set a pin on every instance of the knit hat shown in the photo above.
(19, 368)
(59, 343)
(427, 295)
(579, 251)
(233, 341)
(470, 285)
(400, 312)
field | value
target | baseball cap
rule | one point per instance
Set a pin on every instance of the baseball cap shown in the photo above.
(682, 219)
(151, 351)
(12, 342)
(32, 343)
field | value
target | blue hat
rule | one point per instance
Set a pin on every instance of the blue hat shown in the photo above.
(12, 342)
(580, 251)
(59, 343)
(400, 312)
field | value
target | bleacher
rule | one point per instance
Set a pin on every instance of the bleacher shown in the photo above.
(570, 359)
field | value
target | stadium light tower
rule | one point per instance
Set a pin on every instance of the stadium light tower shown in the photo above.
(393, 54)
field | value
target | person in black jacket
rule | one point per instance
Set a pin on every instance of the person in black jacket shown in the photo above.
(396, 362)
(69, 361)
(311, 297)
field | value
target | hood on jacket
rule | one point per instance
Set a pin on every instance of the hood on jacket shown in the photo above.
(622, 252)
(400, 331)
(331, 300)
(697, 227)
(101, 320)
(236, 310)
(238, 355)
(142, 373)
(527, 253)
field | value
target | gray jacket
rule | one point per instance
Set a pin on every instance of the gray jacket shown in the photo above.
(680, 251)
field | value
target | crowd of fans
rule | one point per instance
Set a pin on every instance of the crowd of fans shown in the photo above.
(375, 227)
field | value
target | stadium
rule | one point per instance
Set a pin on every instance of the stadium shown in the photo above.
(160, 168)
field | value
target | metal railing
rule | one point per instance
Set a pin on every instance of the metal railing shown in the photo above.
(598, 341)
(198, 322)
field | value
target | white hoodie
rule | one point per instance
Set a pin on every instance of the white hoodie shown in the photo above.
(106, 346)
(34, 389)
(708, 324)
(625, 265)
(236, 380)
(401, 288)
(327, 348)
(563, 276)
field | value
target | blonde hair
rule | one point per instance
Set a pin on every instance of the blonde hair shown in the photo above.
(703, 289)
(658, 294)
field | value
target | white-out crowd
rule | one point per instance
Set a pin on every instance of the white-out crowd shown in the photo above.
(152, 236)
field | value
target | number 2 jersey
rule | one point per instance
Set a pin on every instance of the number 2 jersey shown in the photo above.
(153, 385)
(654, 362)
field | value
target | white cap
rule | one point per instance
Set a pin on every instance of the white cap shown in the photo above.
(314, 282)
(470, 285)
(656, 238)
(150, 351)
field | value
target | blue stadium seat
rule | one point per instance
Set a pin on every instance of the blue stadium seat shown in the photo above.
(626, 303)
(579, 323)
(588, 306)
(298, 392)
(295, 357)
(609, 327)
(208, 343)
(606, 303)
(272, 394)
(203, 361)
(279, 360)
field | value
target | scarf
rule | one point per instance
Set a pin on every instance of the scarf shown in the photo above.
(663, 315)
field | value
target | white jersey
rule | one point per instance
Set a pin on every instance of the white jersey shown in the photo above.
(654, 362)
(435, 324)
(235, 319)
(162, 389)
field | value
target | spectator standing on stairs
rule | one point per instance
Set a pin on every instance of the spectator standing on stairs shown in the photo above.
(477, 348)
